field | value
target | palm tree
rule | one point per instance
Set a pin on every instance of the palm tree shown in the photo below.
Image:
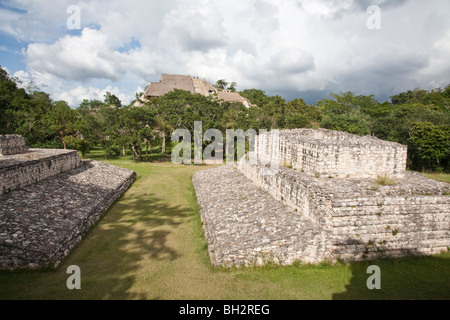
(221, 84)
(232, 87)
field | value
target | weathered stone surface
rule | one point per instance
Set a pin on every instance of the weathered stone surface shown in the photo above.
(333, 153)
(366, 220)
(12, 144)
(20, 170)
(244, 225)
(42, 222)
(322, 204)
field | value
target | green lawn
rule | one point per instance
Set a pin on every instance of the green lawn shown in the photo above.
(444, 177)
(150, 245)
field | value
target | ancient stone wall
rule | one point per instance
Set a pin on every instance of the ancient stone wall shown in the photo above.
(332, 153)
(12, 144)
(17, 171)
(365, 220)
(41, 223)
(48, 200)
(331, 204)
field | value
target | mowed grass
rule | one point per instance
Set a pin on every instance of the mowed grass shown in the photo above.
(444, 177)
(150, 245)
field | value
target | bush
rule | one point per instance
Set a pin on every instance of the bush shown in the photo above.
(78, 144)
(385, 181)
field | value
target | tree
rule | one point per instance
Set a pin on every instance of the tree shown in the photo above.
(112, 100)
(297, 120)
(163, 128)
(12, 100)
(347, 112)
(232, 87)
(438, 97)
(430, 143)
(138, 128)
(139, 95)
(61, 121)
(255, 96)
(78, 144)
(221, 84)
(411, 96)
(30, 118)
(301, 115)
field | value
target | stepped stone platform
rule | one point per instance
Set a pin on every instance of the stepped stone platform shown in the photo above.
(258, 212)
(20, 170)
(50, 201)
(244, 225)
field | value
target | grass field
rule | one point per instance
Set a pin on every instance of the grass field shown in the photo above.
(438, 176)
(150, 245)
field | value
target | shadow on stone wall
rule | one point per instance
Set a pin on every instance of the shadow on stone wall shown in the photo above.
(410, 278)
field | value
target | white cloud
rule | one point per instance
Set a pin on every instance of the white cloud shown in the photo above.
(75, 58)
(7, 19)
(289, 45)
(194, 28)
(78, 94)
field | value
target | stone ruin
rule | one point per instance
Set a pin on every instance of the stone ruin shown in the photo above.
(48, 201)
(12, 144)
(321, 203)
(333, 153)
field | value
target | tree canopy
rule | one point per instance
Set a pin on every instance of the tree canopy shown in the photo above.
(417, 118)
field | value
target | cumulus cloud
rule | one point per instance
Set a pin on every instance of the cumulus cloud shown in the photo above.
(75, 58)
(290, 46)
(74, 93)
(73, 96)
(196, 28)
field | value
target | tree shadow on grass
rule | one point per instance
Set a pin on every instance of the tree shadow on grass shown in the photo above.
(139, 229)
(409, 278)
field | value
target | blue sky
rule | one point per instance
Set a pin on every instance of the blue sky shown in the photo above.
(295, 48)
(10, 54)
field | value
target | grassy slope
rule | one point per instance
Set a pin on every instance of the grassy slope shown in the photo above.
(150, 245)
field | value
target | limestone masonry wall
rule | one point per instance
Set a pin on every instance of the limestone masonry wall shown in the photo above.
(329, 178)
(12, 144)
(17, 171)
(365, 220)
(332, 153)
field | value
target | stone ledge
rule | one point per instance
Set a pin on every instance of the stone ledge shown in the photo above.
(244, 225)
(20, 170)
